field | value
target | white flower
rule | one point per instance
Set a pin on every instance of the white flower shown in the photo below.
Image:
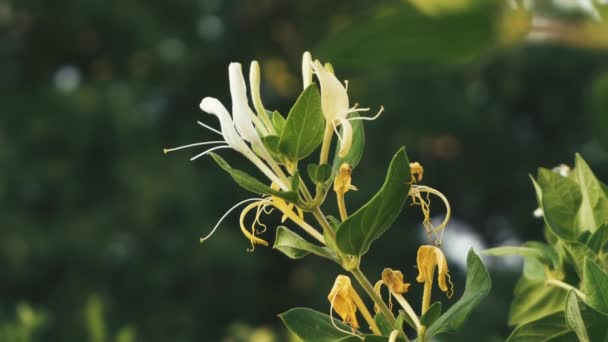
(239, 132)
(334, 102)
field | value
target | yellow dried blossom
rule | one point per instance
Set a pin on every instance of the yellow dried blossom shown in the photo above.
(342, 298)
(417, 171)
(394, 281)
(430, 257)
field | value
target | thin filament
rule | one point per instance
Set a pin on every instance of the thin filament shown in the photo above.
(210, 128)
(209, 151)
(226, 214)
(167, 150)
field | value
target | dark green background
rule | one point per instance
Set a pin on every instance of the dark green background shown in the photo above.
(92, 91)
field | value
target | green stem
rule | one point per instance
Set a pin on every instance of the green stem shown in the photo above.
(369, 289)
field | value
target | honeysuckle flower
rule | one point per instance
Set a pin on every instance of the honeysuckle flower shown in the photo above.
(265, 205)
(342, 182)
(428, 259)
(335, 105)
(239, 131)
(394, 281)
(417, 172)
(342, 299)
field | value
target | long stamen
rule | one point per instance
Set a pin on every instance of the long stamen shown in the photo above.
(209, 151)
(365, 117)
(210, 128)
(226, 214)
(167, 150)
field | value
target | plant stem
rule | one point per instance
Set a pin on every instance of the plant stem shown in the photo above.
(369, 289)
(365, 313)
(567, 287)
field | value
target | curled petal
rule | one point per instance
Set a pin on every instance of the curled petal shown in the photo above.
(215, 107)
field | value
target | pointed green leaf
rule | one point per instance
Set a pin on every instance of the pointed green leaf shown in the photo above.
(574, 319)
(593, 211)
(548, 328)
(532, 249)
(431, 314)
(319, 174)
(477, 286)
(533, 299)
(595, 286)
(249, 183)
(304, 127)
(278, 122)
(561, 200)
(598, 242)
(356, 234)
(296, 247)
(383, 325)
(313, 326)
(356, 149)
(575, 253)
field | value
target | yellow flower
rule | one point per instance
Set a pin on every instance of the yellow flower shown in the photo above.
(342, 299)
(417, 171)
(431, 257)
(394, 281)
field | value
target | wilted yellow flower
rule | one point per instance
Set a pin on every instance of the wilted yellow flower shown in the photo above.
(342, 298)
(342, 182)
(394, 281)
(417, 171)
(431, 257)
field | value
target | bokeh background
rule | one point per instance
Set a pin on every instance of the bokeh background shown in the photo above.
(99, 231)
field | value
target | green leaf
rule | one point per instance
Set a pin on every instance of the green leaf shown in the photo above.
(431, 314)
(593, 211)
(356, 234)
(249, 183)
(561, 200)
(405, 35)
(304, 127)
(319, 174)
(271, 142)
(574, 319)
(595, 286)
(576, 253)
(353, 157)
(548, 328)
(278, 122)
(598, 242)
(533, 299)
(477, 286)
(313, 326)
(383, 325)
(532, 249)
(296, 247)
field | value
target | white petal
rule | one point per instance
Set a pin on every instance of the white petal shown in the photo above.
(334, 99)
(347, 138)
(241, 112)
(306, 69)
(214, 106)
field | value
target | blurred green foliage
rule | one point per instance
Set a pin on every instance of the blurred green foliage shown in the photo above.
(92, 91)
